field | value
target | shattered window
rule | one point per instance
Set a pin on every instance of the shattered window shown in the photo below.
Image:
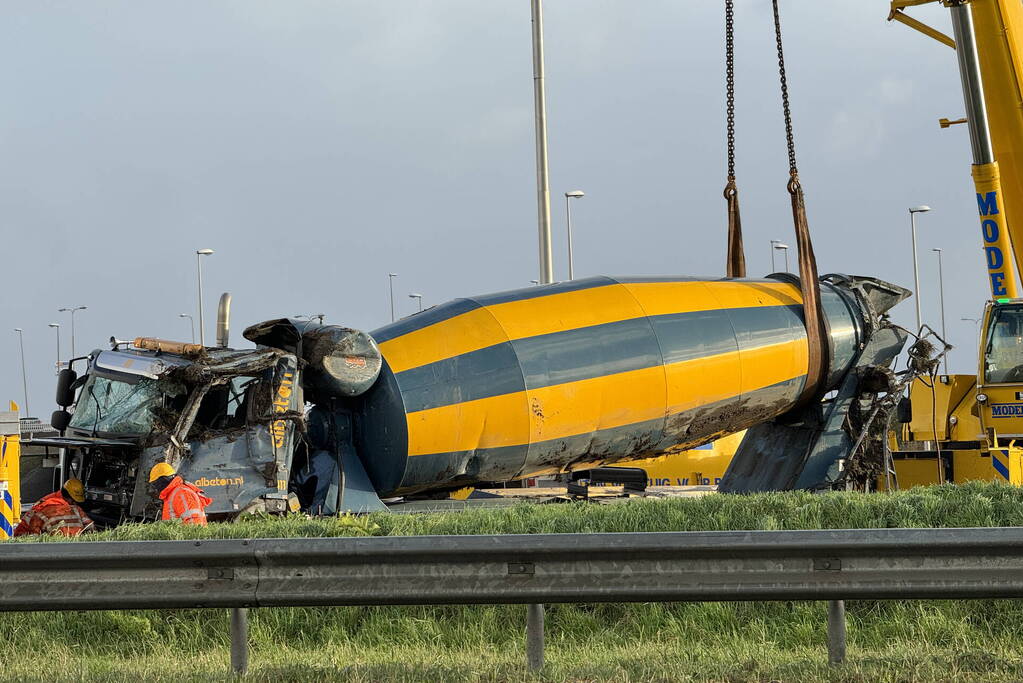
(110, 406)
(1003, 358)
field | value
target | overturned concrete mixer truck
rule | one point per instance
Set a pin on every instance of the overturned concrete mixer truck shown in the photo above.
(550, 379)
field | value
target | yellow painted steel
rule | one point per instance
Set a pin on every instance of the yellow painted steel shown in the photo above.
(998, 25)
(998, 250)
(10, 475)
(698, 466)
(590, 405)
(497, 323)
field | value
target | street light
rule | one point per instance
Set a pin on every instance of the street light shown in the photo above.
(774, 268)
(420, 298)
(941, 294)
(198, 266)
(191, 322)
(784, 248)
(56, 327)
(390, 284)
(569, 196)
(72, 312)
(913, 211)
(24, 375)
(310, 318)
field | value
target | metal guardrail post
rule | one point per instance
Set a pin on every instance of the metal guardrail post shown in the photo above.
(239, 640)
(534, 637)
(836, 632)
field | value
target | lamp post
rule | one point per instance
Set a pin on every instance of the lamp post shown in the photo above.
(418, 297)
(56, 328)
(941, 295)
(774, 267)
(24, 373)
(191, 322)
(543, 192)
(390, 284)
(198, 267)
(913, 211)
(569, 196)
(72, 312)
(783, 248)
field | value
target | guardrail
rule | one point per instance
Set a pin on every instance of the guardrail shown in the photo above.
(875, 564)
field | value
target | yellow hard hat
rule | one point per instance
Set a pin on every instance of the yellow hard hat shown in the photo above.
(75, 489)
(160, 469)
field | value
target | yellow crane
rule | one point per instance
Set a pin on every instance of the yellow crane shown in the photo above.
(970, 427)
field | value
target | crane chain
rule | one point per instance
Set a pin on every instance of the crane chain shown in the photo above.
(735, 265)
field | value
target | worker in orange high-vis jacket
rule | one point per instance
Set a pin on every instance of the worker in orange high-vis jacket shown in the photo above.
(181, 499)
(58, 513)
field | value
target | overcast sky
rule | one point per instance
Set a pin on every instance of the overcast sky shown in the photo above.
(319, 145)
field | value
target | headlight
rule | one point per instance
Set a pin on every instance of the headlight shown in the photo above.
(981, 398)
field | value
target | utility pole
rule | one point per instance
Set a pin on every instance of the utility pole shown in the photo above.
(543, 193)
(24, 373)
(941, 296)
(390, 282)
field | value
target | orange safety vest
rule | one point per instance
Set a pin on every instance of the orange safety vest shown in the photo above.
(54, 515)
(184, 501)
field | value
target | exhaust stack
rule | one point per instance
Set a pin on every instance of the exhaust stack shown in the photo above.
(224, 319)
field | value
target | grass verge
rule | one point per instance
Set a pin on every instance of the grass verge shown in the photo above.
(888, 641)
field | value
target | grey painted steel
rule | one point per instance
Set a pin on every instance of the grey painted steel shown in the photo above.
(534, 637)
(239, 640)
(836, 631)
(543, 192)
(525, 569)
(973, 86)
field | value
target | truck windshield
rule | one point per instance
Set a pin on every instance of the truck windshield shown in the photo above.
(111, 406)
(1003, 358)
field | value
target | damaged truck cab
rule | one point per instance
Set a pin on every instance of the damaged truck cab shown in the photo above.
(224, 419)
(234, 422)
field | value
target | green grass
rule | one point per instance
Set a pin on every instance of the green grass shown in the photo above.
(888, 641)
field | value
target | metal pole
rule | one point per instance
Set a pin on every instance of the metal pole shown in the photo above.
(916, 271)
(198, 267)
(534, 637)
(973, 88)
(774, 268)
(24, 373)
(73, 332)
(786, 252)
(543, 194)
(941, 295)
(191, 323)
(836, 632)
(390, 282)
(568, 213)
(239, 640)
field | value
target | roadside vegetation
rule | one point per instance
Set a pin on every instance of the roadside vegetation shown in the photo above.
(888, 641)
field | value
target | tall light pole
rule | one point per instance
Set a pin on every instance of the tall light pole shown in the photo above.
(941, 295)
(543, 192)
(569, 196)
(198, 267)
(191, 322)
(418, 297)
(783, 248)
(774, 268)
(72, 312)
(390, 284)
(913, 211)
(56, 327)
(24, 373)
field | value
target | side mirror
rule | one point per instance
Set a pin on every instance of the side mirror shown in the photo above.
(65, 387)
(60, 419)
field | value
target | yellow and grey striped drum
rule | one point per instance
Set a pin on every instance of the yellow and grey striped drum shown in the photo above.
(587, 372)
